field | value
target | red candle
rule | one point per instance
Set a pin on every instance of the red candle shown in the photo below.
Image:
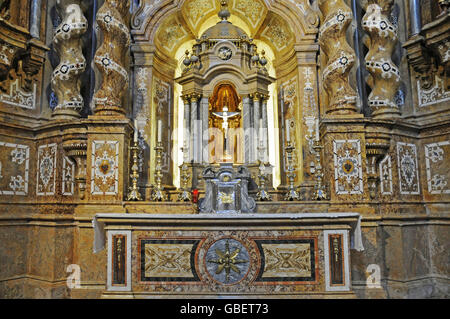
(195, 196)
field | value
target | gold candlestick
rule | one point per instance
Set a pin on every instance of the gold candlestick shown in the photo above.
(319, 190)
(292, 194)
(262, 194)
(134, 194)
(158, 194)
(185, 195)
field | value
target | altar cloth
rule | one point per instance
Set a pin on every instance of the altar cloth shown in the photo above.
(100, 238)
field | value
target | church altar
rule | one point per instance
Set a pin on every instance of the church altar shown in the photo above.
(224, 255)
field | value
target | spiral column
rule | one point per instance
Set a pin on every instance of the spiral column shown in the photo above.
(340, 57)
(112, 19)
(68, 45)
(385, 75)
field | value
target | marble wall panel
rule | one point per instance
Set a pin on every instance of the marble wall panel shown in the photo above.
(93, 266)
(439, 247)
(13, 252)
(64, 251)
(416, 255)
(41, 252)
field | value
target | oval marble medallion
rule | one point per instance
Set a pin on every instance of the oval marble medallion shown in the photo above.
(227, 261)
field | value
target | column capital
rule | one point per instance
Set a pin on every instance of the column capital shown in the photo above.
(195, 97)
(186, 98)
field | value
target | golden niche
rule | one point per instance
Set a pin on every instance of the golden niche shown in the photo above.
(225, 123)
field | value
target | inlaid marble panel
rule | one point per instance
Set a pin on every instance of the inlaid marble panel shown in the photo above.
(14, 169)
(407, 169)
(168, 260)
(348, 167)
(386, 176)
(195, 261)
(287, 260)
(46, 170)
(437, 167)
(105, 168)
(68, 177)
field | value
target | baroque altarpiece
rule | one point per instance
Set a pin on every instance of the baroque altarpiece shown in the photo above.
(219, 148)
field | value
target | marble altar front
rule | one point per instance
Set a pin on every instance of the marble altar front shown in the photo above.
(225, 255)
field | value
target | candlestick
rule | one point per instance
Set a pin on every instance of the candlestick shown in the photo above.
(158, 194)
(292, 194)
(134, 194)
(320, 192)
(263, 195)
(185, 195)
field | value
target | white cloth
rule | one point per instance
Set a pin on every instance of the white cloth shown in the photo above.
(99, 235)
(355, 236)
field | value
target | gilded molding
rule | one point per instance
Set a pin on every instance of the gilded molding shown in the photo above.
(340, 56)
(68, 45)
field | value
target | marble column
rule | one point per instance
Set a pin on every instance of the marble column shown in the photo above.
(194, 129)
(265, 127)
(416, 19)
(110, 58)
(186, 129)
(204, 118)
(68, 45)
(248, 131)
(35, 18)
(385, 74)
(256, 118)
(340, 57)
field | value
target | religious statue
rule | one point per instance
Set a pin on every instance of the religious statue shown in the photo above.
(225, 115)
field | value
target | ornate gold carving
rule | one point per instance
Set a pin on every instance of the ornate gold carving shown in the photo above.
(340, 57)
(226, 198)
(385, 75)
(112, 18)
(68, 45)
(278, 33)
(171, 33)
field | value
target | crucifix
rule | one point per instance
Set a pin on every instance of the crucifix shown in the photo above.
(225, 115)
